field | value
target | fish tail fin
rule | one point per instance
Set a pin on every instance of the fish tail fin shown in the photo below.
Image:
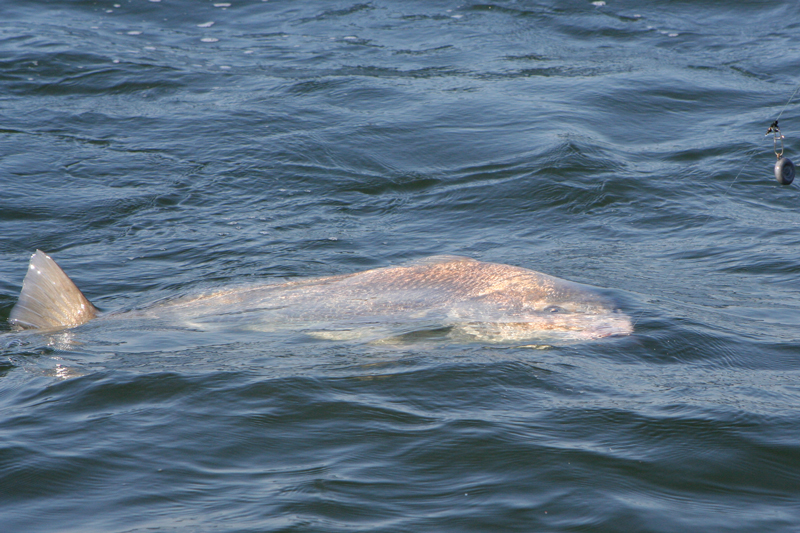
(49, 299)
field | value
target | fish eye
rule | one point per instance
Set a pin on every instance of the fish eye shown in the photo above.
(553, 309)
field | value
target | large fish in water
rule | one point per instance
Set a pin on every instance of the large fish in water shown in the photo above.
(466, 299)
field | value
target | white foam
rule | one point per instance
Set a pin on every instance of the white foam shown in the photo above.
(134, 32)
(206, 24)
(209, 39)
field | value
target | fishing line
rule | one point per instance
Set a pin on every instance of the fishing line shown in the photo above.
(787, 103)
(784, 173)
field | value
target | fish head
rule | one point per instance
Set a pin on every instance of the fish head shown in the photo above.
(573, 311)
(546, 309)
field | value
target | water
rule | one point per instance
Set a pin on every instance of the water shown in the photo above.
(154, 154)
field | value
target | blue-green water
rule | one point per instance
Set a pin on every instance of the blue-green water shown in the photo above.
(162, 148)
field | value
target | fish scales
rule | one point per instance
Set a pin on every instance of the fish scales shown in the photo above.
(481, 301)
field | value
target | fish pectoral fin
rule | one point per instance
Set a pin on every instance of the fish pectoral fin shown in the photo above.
(49, 299)
(341, 334)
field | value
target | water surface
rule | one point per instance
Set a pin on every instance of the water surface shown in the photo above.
(157, 149)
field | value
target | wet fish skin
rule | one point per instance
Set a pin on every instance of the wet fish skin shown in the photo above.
(483, 301)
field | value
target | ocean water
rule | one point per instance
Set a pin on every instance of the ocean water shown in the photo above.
(162, 148)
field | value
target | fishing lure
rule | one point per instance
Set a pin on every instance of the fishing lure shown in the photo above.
(784, 168)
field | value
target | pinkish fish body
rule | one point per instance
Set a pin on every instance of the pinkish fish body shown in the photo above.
(472, 300)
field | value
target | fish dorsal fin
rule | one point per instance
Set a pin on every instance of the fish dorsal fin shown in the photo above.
(49, 299)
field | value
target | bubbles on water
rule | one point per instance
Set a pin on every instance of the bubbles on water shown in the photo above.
(222, 5)
(134, 32)
(209, 39)
(598, 3)
(206, 24)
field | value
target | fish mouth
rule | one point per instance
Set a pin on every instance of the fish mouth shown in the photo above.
(613, 325)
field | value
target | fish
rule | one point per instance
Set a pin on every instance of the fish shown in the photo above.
(456, 297)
